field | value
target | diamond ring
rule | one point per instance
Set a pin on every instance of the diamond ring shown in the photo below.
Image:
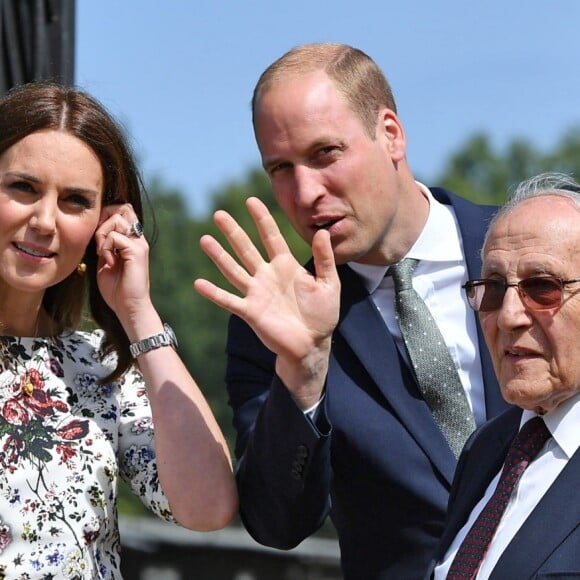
(136, 229)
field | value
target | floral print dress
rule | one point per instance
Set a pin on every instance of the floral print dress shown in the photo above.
(64, 441)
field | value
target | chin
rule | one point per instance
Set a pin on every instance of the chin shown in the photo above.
(30, 287)
(536, 402)
(520, 394)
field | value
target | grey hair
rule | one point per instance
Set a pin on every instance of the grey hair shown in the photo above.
(552, 183)
(545, 184)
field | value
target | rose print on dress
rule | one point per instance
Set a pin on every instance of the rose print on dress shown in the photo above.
(54, 412)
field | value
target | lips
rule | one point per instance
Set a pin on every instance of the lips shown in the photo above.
(35, 251)
(324, 223)
(517, 353)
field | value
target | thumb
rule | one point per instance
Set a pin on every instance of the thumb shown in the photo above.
(324, 264)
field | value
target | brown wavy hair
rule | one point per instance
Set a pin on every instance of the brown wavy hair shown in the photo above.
(43, 106)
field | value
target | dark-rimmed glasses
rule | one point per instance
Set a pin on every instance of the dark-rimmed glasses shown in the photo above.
(537, 292)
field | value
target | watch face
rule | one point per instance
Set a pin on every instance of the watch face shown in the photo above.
(171, 334)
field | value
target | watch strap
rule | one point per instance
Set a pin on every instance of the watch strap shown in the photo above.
(165, 338)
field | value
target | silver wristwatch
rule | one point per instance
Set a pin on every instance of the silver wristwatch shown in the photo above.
(166, 338)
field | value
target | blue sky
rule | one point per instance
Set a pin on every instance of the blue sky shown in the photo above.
(179, 74)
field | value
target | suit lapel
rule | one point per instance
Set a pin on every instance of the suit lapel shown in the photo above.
(363, 328)
(482, 459)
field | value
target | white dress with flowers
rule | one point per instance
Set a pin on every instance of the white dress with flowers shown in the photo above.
(64, 441)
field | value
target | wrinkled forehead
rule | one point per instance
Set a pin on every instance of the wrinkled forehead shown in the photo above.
(546, 225)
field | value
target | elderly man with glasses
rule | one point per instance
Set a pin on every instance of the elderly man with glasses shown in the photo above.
(514, 511)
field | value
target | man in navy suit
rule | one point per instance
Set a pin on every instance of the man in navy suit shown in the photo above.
(333, 422)
(529, 305)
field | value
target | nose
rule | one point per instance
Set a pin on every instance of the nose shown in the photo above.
(308, 185)
(513, 312)
(43, 218)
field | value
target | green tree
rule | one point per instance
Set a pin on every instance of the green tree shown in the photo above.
(480, 172)
(177, 260)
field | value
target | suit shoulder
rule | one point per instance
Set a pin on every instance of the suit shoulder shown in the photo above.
(449, 198)
(496, 429)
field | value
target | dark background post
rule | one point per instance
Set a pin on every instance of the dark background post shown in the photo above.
(37, 41)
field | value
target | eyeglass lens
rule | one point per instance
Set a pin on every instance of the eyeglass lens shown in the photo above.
(538, 293)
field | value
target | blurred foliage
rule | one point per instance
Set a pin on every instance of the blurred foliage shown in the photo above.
(177, 260)
(483, 174)
(477, 171)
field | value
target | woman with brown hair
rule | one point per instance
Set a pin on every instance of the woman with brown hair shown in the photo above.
(77, 408)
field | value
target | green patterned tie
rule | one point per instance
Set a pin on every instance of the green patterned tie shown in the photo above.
(432, 364)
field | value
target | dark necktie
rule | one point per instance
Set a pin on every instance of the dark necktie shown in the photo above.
(523, 449)
(432, 364)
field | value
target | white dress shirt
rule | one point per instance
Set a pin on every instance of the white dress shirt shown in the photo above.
(562, 423)
(438, 278)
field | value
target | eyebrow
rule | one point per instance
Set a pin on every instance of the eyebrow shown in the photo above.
(271, 162)
(318, 143)
(530, 271)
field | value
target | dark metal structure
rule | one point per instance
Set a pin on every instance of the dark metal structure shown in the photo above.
(37, 41)
(156, 550)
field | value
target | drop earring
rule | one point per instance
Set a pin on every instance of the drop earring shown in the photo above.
(81, 269)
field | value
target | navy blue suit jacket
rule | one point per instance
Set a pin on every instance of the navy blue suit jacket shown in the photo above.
(548, 543)
(376, 460)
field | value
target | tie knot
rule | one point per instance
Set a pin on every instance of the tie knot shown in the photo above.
(402, 273)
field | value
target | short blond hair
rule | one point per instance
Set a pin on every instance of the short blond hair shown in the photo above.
(355, 74)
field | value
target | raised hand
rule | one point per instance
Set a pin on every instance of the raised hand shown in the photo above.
(123, 271)
(292, 311)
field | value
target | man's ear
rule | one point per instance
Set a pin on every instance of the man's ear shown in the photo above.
(391, 130)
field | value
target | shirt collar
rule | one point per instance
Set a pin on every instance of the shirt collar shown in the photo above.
(438, 242)
(563, 424)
